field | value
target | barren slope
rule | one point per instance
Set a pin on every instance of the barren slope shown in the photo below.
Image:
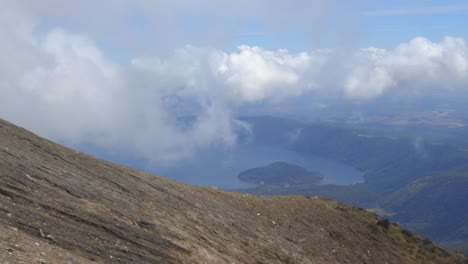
(61, 206)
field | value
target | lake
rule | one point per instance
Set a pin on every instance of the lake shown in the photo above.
(219, 166)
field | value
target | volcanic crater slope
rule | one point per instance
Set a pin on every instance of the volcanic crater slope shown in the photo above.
(58, 205)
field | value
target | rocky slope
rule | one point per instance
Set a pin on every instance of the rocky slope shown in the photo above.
(61, 206)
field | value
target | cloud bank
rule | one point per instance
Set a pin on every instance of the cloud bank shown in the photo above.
(64, 86)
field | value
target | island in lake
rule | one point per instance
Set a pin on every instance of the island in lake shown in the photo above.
(281, 174)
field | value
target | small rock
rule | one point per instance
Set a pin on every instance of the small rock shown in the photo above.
(41, 233)
(9, 214)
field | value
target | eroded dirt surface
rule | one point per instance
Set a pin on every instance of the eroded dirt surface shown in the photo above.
(61, 206)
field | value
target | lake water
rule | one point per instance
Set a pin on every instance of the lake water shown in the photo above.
(219, 167)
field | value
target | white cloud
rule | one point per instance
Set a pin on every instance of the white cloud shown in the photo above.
(64, 86)
(414, 66)
(255, 74)
(249, 75)
(368, 82)
(67, 92)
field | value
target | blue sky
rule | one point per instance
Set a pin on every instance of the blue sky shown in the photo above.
(330, 24)
(383, 24)
(299, 26)
(430, 19)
